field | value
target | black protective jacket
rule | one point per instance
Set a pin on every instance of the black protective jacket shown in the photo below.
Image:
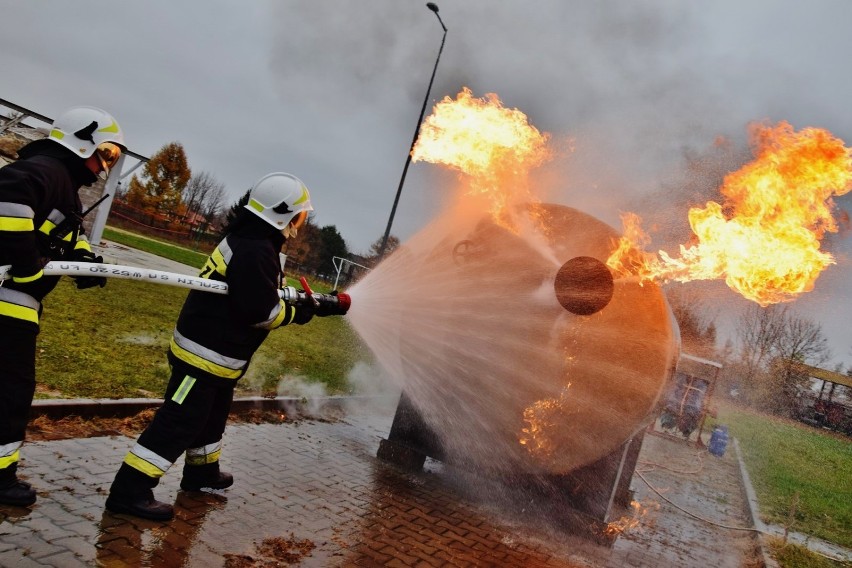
(37, 193)
(216, 335)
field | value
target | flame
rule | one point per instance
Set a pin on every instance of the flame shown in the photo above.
(542, 417)
(632, 521)
(765, 239)
(495, 146)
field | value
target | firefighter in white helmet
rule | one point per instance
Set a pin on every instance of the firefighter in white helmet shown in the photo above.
(39, 222)
(213, 342)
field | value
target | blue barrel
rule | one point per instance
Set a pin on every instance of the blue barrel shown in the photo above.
(718, 441)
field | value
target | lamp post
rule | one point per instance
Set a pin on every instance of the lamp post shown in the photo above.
(434, 7)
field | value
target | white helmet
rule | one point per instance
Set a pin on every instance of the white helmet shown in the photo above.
(280, 199)
(82, 129)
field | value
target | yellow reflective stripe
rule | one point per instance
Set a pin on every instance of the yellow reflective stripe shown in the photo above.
(205, 454)
(82, 244)
(111, 128)
(276, 317)
(47, 226)
(303, 197)
(151, 464)
(216, 262)
(19, 312)
(183, 389)
(56, 133)
(256, 205)
(204, 364)
(148, 469)
(25, 279)
(6, 461)
(279, 319)
(203, 459)
(16, 224)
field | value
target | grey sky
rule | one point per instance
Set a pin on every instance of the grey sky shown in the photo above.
(331, 90)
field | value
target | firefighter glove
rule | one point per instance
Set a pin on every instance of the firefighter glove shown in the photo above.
(304, 314)
(83, 282)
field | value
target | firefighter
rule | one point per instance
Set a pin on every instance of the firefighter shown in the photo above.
(213, 342)
(40, 221)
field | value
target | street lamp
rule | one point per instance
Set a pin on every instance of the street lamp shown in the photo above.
(434, 7)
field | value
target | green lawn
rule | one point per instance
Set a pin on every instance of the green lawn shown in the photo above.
(785, 457)
(156, 246)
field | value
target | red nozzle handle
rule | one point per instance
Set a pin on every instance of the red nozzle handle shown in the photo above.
(304, 282)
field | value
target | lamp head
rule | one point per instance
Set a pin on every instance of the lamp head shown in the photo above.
(432, 6)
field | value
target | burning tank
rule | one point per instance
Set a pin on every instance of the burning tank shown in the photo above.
(518, 350)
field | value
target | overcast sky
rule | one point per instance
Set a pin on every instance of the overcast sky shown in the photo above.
(331, 91)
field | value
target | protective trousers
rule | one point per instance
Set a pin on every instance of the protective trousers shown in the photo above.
(192, 420)
(17, 387)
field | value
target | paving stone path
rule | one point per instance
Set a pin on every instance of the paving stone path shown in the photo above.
(312, 493)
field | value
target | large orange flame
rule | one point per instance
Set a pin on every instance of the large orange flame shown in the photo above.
(495, 146)
(765, 239)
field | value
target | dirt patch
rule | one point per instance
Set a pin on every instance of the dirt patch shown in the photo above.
(44, 428)
(276, 551)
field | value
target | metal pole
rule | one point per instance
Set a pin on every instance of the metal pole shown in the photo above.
(434, 8)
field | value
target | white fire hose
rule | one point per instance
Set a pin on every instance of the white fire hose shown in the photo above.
(335, 304)
(62, 268)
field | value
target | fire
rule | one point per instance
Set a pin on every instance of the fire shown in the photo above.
(632, 521)
(542, 417)
(495, 146)
(764, 240)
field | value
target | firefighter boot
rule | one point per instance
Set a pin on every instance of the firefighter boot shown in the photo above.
(207, 476)
(18, 493)
(140, 504)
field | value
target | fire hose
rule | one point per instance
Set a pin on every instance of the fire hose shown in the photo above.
(334, 304)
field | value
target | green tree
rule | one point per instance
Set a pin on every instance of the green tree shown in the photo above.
(164, 178)
(373, 256)
(332, 245)
(236, 207)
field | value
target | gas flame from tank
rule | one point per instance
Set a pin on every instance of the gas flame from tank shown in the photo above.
(764, 239)
(495, 146)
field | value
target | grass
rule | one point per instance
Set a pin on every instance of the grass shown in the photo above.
(795, 556)
(111, 342)
(784, 458)
(156, 246)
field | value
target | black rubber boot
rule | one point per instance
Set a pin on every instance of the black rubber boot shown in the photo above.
(207, 476)
(141, 505)
(18, 493)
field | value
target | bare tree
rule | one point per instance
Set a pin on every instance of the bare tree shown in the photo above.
(774, 340)
(213, 204)
(203, 195)
(759, 329)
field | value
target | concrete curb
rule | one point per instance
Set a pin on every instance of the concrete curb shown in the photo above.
(125, 407)
(754, 511)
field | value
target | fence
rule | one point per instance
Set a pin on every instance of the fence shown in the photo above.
(125, 216)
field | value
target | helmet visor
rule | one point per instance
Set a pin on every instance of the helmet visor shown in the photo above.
(108, 155)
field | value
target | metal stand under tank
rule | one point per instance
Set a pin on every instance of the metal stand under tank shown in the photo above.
(586, 499)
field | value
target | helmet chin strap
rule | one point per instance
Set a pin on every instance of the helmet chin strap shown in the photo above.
(289, 231)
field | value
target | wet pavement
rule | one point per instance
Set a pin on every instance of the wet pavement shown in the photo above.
(311, 492)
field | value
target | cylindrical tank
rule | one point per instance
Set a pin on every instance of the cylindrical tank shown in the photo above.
(508, 379)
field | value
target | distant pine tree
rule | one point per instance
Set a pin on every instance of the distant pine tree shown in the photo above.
(234, 212)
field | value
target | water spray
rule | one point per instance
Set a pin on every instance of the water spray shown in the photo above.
(333, 304)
